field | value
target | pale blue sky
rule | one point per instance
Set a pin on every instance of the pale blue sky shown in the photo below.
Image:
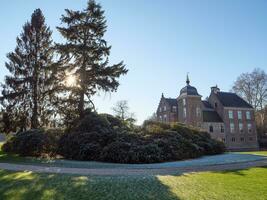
(160, 41)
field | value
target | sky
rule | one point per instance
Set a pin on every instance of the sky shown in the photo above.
(160, 41)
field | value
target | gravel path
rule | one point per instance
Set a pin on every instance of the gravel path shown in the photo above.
(167, 170)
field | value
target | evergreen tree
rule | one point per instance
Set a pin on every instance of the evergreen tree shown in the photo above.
(27, 89)
(86, 55)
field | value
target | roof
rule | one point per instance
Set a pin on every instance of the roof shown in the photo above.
(171, 102)
(206, 105)
(189, 90)
(211, 116)
(229, 99)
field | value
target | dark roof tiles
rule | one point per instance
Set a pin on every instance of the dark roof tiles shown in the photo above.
(171, 102)
(229, 99)
(211, 116)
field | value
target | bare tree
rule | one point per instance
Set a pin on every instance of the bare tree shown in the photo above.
(121, 109)
(253, 88)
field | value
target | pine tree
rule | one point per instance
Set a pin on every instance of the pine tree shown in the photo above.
(27, 89)
(86, 54)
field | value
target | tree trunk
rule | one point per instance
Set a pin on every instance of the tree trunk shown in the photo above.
(81, 105)
(34, 123)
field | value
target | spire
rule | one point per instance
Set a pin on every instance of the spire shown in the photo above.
(162, 96)
(187, 79)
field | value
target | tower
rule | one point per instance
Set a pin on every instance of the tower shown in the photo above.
(189, 105)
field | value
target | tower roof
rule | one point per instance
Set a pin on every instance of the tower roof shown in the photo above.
(188, 89)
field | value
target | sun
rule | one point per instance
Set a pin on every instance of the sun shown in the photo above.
(71, 81)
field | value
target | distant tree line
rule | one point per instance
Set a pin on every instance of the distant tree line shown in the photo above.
(35, 92)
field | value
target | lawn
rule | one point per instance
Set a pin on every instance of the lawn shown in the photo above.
(241, 184)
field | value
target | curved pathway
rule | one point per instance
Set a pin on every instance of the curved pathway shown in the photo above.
(208, 163)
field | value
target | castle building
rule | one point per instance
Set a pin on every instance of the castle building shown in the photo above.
(224, 115)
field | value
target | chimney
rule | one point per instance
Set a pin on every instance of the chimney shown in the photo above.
(215, 89)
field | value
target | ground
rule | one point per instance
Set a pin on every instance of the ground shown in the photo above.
(174, 180)
(239, 184)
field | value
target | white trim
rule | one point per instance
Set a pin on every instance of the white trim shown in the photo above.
(237, 108)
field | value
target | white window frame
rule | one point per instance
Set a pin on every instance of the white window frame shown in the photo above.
(249, 126)
(232, 127)
(239, 114)
(241, 127)
(184, 102)
(230, 114)
(184, 112)
(198, 111)
(165, 117)
(248, 115)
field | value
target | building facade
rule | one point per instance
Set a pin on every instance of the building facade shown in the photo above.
(224, 115)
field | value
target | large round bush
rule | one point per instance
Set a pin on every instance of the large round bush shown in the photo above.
(35, 142)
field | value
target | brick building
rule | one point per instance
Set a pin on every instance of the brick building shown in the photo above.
(224, 115)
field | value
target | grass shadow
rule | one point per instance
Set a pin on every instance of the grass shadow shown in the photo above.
(26, 185)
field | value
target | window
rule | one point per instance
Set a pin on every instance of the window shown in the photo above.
(160, 109)
(250, 139)
(223, 139)
(232, 127)
(242, 139)
(211, 129)
(215, 105)
(174, 109)
(240, 127)
(184, 112)
(239, 114)
(233, 139)
(249, 127)
(184, 102)
(165, 118)
(164, 108)
(222, 129)
(160, 118)
(248, 115)
(198, 112)
(230, 114)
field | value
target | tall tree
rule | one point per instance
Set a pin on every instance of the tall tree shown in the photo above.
(26, 90)
(253, 88)
(86, 55)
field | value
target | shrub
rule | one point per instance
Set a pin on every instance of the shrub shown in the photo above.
(35, 142)
(84, 145)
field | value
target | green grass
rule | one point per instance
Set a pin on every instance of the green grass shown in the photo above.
(231, 185)
(258, 153)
